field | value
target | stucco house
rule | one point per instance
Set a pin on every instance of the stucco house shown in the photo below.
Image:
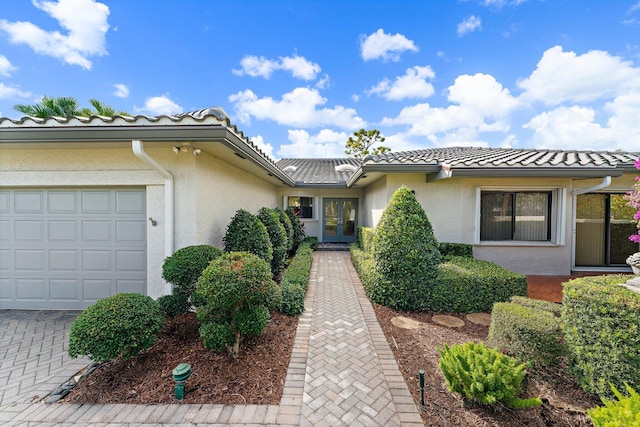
(92, 206)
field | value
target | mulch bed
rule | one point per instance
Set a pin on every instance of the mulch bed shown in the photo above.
(257, 377)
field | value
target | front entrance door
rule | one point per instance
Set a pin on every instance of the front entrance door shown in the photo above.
(604, 223)
(340, 220)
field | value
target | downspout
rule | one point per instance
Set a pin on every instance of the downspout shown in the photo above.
(606, 181)
(138, 150)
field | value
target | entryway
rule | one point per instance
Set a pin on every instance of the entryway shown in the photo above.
(340, 220)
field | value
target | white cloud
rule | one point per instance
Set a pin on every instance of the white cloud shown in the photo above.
(634, 7)
(301, 107)
(298, 66)
(122, 90)
(325, 144)
(412, 85)
(159, 105)
(469, 25)
(482, 93)
(384, 46)
(266, 148)
(566, 77)
(10, 92)
(5, 66)
(85, 22)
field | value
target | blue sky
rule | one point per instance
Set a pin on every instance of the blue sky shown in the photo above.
(299, 77)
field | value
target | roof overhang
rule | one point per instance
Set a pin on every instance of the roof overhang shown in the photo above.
(526, 172)
(391, 168)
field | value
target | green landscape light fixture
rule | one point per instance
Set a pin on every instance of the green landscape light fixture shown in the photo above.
(421, 377)
(181, 373)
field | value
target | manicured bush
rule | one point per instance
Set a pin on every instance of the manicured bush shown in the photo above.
(235, 293)
(119, 326)
(484, 375)
(538, 304)
(311, 241)
(183, 268)
(298, 231)
(277, 236)
(365, 267)
(286, 223)
(406, 254)
(601, 324)
(466, 285)
(456, 249)
(529, 334)
(295, 281)
(174, 304)
(625, 411)
(365, 238)
(245, 233)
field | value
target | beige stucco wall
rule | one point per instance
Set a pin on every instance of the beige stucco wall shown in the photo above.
(451, 203)
(207, 190)
(313, 227)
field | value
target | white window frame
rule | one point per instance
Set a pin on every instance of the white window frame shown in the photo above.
(314, 211)
(557, 218)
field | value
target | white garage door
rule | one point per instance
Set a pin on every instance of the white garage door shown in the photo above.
(65, 249)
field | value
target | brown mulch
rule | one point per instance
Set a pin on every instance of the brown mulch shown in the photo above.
(564, 403)
(258, 376)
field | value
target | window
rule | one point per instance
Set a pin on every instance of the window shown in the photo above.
(303, 206)
(516, 216)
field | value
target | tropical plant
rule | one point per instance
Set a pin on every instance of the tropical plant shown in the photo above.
(66, 106)
(363, 143)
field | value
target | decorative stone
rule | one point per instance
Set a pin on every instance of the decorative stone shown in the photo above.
(483, 319)
(448, 321)
(406, 323)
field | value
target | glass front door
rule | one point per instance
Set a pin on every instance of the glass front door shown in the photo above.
(340, 220)
(604, 223)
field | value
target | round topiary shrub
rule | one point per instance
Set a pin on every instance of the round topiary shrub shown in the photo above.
(406, 254)
(119, 326)
(277, 236)
(298, 231)
(286, 223)
(183, 268)
(245, 233)
(174, 305)
(236, 293)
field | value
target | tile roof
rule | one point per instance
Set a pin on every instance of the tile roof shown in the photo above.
(481, 157)
(319, 171)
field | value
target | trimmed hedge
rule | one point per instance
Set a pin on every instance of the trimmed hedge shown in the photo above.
(286, 223)
(277, 236)
(366, 235)
(183, 268)
(298, 231)
(530, 334)
(296, 279)
(119, 326)
(601, 324)
(466, 285)
(538, 304)
(364, 265)
(246, 233)
(456, 249)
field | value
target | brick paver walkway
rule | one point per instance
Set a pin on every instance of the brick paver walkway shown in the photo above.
(342, 371)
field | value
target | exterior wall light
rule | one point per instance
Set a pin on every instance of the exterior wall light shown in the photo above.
(421, 379)
(196, 152)
(181, 373)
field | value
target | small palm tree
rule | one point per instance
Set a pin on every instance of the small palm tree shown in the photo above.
(66, 107)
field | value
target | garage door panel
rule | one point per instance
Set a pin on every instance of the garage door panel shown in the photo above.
(67, 248)
(30, 260)
(29, 230)
(63, 231)
(32, 289)
(65, 289)
(96, 202)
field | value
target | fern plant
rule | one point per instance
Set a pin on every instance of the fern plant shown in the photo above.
(622, 412)
(484, 375)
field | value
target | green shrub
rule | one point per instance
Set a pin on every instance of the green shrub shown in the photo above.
(298, 231)
(121, 325)
(406, 254)
(456, 249)
(277, 236)
(466, 285)
(235, 292)
(174, 305)
(601, 325)
(530, 334)
(286, 223)
(365, 267)
(311, 241)
(616, 413)
(366, 236)
(295, 281)
(245, 233)
(183, 268)
(483, 375)
(538, 304)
